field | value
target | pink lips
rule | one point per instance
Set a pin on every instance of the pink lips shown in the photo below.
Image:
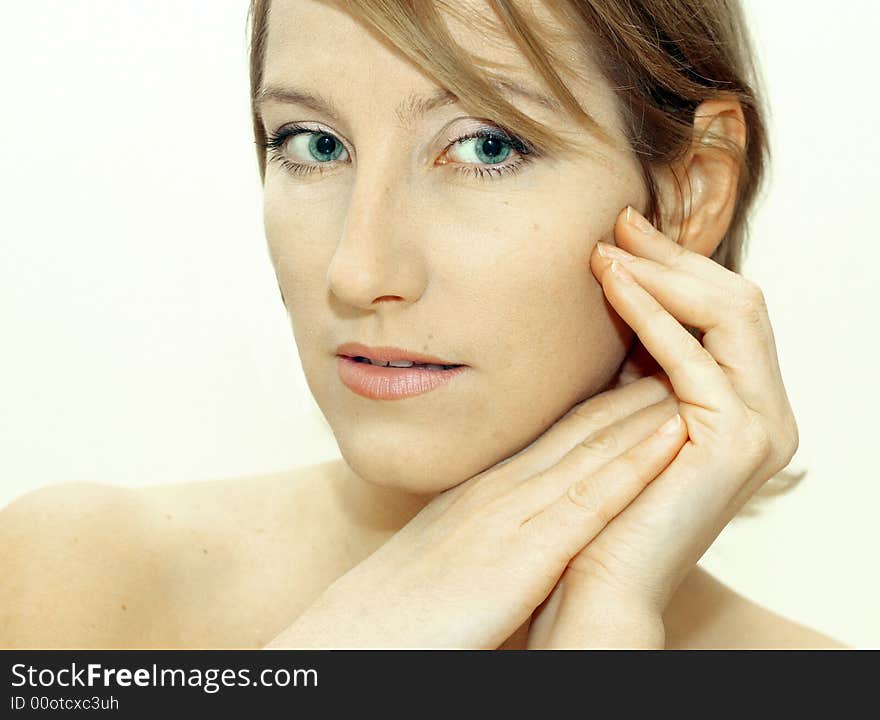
(379, 382)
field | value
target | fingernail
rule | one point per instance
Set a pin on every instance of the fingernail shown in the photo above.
(638, 221)
(670, 427)
(612, 251)
(621, 272)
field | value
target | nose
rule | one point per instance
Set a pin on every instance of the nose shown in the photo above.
(378, 256)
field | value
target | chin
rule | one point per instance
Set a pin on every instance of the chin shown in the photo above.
(425, 447)
(419, 465)
(417, 471)
(428, 458)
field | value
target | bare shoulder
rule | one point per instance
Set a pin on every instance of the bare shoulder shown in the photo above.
(706, 614)
(90, 565)
(66, 555)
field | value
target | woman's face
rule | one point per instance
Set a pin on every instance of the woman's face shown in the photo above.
(397, 242)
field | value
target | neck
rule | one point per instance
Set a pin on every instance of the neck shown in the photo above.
(371, 507)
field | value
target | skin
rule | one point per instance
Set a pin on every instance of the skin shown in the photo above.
(403, 249)
(392, 248)
(740, 432)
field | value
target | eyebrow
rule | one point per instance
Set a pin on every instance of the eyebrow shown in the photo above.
(410, 110)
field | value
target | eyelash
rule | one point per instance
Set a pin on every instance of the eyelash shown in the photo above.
(526, 152)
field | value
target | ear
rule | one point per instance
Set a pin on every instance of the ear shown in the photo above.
(701, 214)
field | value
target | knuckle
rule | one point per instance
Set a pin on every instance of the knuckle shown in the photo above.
(603, 445)
(598, 411)
(753, 292)
(476, 493)
(749, 301)
(588, 498)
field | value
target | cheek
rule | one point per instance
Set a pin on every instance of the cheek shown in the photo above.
(550, 319)
(513, 292)
(296, 234)
(296, 227)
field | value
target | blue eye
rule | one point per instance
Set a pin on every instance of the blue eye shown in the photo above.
(321, 146)
(490, 147)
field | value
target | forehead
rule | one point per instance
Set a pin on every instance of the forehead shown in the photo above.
(478, 28)
(307, 36)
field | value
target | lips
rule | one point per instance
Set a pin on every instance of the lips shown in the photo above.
(392, 373)
(403, 364)
(391, 356)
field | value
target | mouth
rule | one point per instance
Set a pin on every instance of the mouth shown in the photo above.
(393, 357)
(395, 379)
(400, 363)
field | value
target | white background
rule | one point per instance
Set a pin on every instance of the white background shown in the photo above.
(144, 340)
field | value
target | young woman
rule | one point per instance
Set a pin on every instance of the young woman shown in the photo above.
(508, 236)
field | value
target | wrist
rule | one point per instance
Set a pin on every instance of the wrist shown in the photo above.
(591, 618)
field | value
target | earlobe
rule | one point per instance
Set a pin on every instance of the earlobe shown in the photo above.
(708, 176)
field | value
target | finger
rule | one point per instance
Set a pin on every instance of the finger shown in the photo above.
(693, 299)
(586, 418)
(696, 377)
(579, 423)
(727, 308)
(591, 502)
(679, 510)
(634, 233)
(537, 492)
(638, 364)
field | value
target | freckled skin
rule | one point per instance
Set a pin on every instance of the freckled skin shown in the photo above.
(381, 249)
(391, 250)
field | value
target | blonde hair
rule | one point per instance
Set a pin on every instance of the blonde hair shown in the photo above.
(661, 57)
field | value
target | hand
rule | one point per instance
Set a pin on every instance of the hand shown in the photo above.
(637, 364)
(472, 566)
(741, 432)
